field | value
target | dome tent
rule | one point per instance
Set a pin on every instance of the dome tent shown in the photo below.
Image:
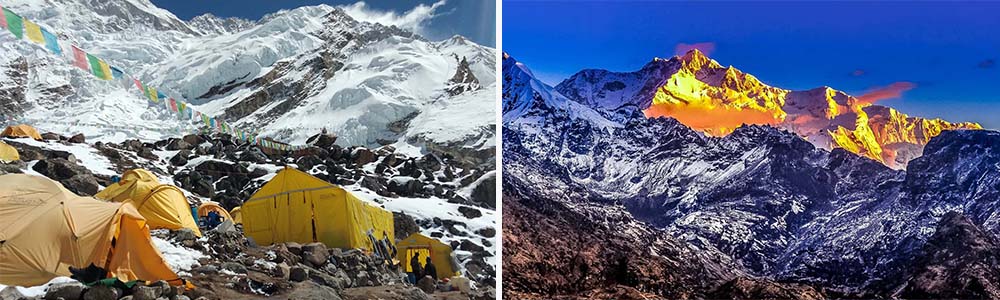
(8, 153)
(46, 229)
(163, 205)
(21, 131)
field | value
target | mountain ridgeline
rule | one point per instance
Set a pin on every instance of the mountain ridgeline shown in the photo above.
(758, 212)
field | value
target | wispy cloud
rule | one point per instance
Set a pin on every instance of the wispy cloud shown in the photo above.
(894, 90)
(705, 47)
(987, 64)
(414, 20)
(858, 73)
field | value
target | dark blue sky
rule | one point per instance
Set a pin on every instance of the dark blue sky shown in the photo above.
(948, 50)
(475, 19)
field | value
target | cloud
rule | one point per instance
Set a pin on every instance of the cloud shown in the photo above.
(718, 120)
(894, 90)
(707, 48)
(858, 73)
(987, 64)
(414, 20)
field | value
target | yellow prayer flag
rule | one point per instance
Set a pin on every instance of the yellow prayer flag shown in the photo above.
(106, 69)
(33, 32)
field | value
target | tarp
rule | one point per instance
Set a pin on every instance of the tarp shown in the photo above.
(440, 254)
(163, 206)
(207, 207)
(45, 229)
(297, 207)
(8, 153)
(21, 131)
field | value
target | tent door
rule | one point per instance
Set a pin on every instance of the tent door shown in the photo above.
(424, 253)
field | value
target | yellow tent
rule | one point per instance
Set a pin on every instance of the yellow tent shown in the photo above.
(8, 153)
(21, 131)
(237, 216)
(45, 229)
(163, 205)
(421, 244)
(297, 207)
(207, 207)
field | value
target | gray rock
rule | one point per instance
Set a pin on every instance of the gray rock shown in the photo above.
(79, 138)
(207, 269)
(101, 292)
(298, 274)
(234, 267)
(10, 293)
(67, 291)
(179, 144)
(312, 291)
(294, 248)
(469, 212)
(427, 284)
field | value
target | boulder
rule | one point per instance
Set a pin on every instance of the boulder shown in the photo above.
(298, 274)
(362, 156)
(375, 184)
(487, 232)
(178, 144)
(429, 162)
(404, 225)
(322, 140)
(315, 253)
(485, 193)
(10, 293)
(67, 291)
(79, 138)
(468, 245)
(253, 155)
(405, 186)
(147, 154)
(307, 162)
(427, 284)
(83, 184)
(101, 292)
(180, 159)
(52, 136)
(312, 291)
(234, 267)
(469, 212)
(194, 139)
(294, 248)
(219, 169)
(386, 150)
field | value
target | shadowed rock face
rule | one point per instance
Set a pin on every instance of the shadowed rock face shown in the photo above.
(960, 261)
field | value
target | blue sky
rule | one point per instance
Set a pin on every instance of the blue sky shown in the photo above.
(435, 19)
(949, 51)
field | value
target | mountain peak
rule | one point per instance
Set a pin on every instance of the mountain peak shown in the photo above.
(694, 59)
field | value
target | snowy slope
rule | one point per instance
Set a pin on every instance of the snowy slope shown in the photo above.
(291, 72)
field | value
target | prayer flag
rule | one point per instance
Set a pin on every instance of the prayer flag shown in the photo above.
(14, 23)
(33, 32)
(117, 73)
(95, 66)
(80, 59)
(3, 18)
(51, 42)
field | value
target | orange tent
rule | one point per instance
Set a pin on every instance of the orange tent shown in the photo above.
(45, 229)
(21, 131)
(207, 207)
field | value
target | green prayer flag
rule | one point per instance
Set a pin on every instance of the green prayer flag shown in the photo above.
(14, 23)
(95, 66)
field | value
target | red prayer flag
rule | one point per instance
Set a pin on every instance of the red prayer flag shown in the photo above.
(3, 18)
(173, 105)
(80, 59)
(138, 84)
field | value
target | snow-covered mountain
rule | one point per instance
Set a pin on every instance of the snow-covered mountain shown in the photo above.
(289, 73)
(715, 99)
(760, 199)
